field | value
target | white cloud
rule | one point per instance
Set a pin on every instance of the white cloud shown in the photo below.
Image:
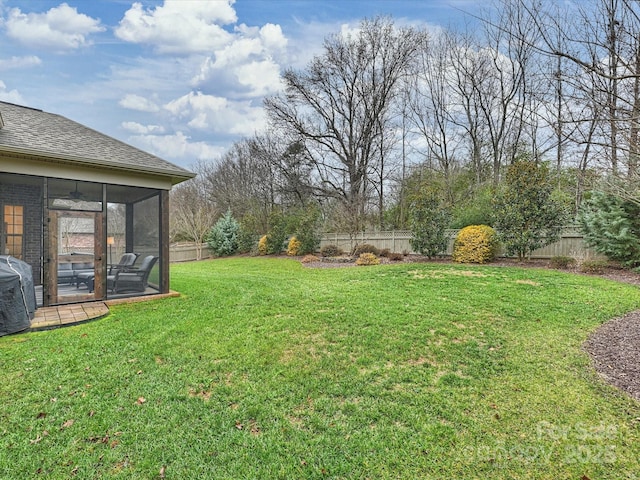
(11, 96)
(272, 37)
(262, 78)
(138, 103)
(217, 115)
(139, 129)
(179, 26)
(60, 28)
(245, 119)
(177, 147)
(19, 62)
(195, 103)
(246, 66)
(350, 31)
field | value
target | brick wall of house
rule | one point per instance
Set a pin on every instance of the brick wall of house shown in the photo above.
(30, 197)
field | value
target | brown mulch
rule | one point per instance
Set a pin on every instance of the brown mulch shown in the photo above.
(614, 347)
(615, 352)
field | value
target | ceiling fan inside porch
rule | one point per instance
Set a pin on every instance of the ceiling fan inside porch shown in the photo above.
(76, 194)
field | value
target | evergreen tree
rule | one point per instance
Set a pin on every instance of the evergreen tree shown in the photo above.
(526, 216)
(428, 220)
(223, 238)
(612, 226)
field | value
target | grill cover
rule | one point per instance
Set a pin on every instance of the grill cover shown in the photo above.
(17, 295)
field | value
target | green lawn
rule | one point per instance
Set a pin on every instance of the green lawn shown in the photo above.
(265, 369)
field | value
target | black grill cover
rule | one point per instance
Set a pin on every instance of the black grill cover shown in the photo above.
(17, 295)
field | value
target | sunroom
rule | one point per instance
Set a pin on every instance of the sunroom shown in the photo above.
(88, 213)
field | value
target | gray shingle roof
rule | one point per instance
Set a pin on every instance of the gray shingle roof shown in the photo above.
(43, 134)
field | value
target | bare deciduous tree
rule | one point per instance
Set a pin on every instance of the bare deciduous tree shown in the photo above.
(192, 211)
(339, 107)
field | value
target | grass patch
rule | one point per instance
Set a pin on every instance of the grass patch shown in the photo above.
(266, 369)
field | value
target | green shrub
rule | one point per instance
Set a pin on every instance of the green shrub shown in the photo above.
(593, 266)
(475, 244)
(367, 259)
(562, 262)
(293, 248)
(277, 234)
(305, 224)
(223, 237)
(331, 251)
(365, 248)
(247, 240)
(428, 220)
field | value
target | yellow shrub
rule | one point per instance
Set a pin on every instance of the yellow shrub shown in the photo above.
(262, 245)
(293, 248)
(367, 259)
(475, 244)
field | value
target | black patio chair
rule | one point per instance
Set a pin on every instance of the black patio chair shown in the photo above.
(88, 278)
(127, 260)
(132, 279)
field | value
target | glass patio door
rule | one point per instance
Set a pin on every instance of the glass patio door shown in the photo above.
(76, 251)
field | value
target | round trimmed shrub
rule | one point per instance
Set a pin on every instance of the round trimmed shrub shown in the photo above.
(593, 266)
(367, 259)
(475, 244)
(330, 251)
(563, 262)
(366, 248)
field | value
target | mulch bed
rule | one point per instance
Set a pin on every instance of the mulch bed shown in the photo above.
(614, 347)
(615, 351)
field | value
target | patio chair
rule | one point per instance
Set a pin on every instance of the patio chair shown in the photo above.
(132, 279)
(88, 278)
(127, 260)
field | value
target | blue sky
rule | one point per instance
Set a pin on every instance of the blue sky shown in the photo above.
(182, 79)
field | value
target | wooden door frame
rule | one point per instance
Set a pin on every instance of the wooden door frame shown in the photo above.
(99, 258)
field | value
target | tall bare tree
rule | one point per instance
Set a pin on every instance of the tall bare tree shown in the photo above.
(603, 42)
(433, 107)
(338, 107)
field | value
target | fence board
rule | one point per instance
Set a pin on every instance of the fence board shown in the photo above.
(571, 243)
(187, 252)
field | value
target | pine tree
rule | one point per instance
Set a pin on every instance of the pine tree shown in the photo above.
(223, 238)
(612, 226)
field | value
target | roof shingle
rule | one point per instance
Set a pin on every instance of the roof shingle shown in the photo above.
(47, 134)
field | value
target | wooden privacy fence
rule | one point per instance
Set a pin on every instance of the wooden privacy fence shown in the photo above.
(187, 252)
(571, 243)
